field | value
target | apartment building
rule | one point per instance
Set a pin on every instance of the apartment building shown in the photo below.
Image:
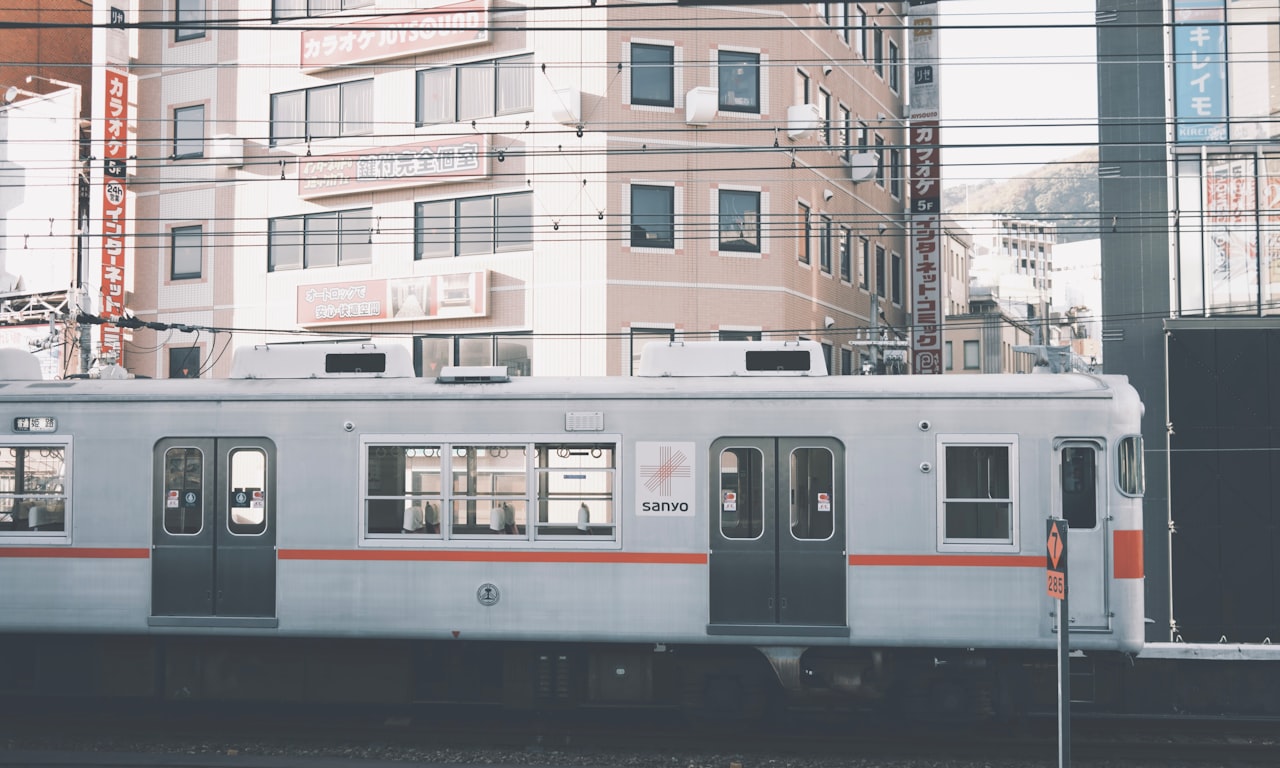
(503, 183)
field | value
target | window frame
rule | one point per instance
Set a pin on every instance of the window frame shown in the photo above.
(665, 70)
(502, 238)
(825, 233)
(186, 14)
(722, 196)
(188, 147)
(1010, 543)
(29, 536)
(804, 253)
(663, 219)
(977, 353)
(748, 60)
(311, 236)
(310, 123)
(196, 230)
(174, 353)
(494, 74)
(529, 493)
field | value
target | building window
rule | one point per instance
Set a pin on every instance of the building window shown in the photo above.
(475, 90)
(643, 337)
(653, 216)
(189, 21)
(864, 248)
(841, 19)
(802, 87)
(971, 361)
(34, 491)
(946, 356)
(739, 221)
(473, 225)
(320, 240)
(880, 272)
(846, 245)
(860, 32)
(299, 9)
(512, 351)
(824, 110)
(325, 112)
(739, 81)
(806, 234)
(824, 251)
(977, 490)
(186, 252)
(846, 361)
(895, 173)
(732, 335)
(893, 66)
(188, 132)
(184, 362)
(879, 150)
(653, 75)
(877, 52)
(846, 134)
(895, 288)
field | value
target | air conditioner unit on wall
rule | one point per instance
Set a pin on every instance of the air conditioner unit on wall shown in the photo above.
(802, 120)
(700, 105)
(228, 150)
(566, 106)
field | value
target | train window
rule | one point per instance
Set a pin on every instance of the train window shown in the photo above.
(978, 490)
(33, 494)
(490, 490)
(183, 491)
(575, 489)
(1079, 486)
(247, 515)
(402, 491)
(1131, 475)
(812, 480)
(741, 493)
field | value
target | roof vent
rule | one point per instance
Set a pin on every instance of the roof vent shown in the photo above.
(473, 374)
(322, 361)
(733, 358)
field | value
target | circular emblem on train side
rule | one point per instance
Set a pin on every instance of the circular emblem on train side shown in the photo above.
(487, 594)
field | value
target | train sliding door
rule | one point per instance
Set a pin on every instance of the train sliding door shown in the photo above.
(213, 534)
(777, 562)
(1080, 499)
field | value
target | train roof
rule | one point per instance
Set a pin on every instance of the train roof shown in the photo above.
(704, 370)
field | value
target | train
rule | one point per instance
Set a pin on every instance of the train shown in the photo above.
(728, 529)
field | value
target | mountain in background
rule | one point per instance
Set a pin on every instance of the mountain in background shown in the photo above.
(1064, 192)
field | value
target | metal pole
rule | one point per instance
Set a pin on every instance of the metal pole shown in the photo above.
(1064, 682)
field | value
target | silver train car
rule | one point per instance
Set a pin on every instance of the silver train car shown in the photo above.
(732, 528)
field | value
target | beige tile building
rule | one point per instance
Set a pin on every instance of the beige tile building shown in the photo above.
(511, 183)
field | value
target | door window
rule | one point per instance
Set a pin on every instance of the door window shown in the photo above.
(183, 491)
(812, 505)
(248, 497)
(741, 493)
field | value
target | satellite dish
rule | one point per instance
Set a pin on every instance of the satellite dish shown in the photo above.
(11, 94)
(862, 166)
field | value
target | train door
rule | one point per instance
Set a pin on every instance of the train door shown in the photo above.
(778, 560)
(213, 533)
(1080, 499)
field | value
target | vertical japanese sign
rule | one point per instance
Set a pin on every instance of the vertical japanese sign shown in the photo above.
(926, 190)
(115, 119)
(1199, 70)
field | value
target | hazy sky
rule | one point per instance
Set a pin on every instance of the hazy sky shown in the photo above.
(1014, 95)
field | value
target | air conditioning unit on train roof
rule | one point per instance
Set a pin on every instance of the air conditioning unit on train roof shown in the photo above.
(733, 358)
(364, 360)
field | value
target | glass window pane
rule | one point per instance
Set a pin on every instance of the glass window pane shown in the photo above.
(1132, 475)
(515, 84)
(475, 91)
(190, 17)
(514, 222)
(288, 117)
(741, 493)
(475, 226)
(186, 261)
(739, 221)
(812, 493)
(248, 496)
(356, 236)
(357, 107)
(324, 120)
(284, 244)
(183, 491)
(653, 75)
(435, 96)
(321, 240)
(739, 81)
(188, 132)
(652, 217)
(434, 230)
(475, 350)
(1079, 487)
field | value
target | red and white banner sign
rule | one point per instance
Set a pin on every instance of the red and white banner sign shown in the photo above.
(115, 200)
(427, 162)
(404, 34)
